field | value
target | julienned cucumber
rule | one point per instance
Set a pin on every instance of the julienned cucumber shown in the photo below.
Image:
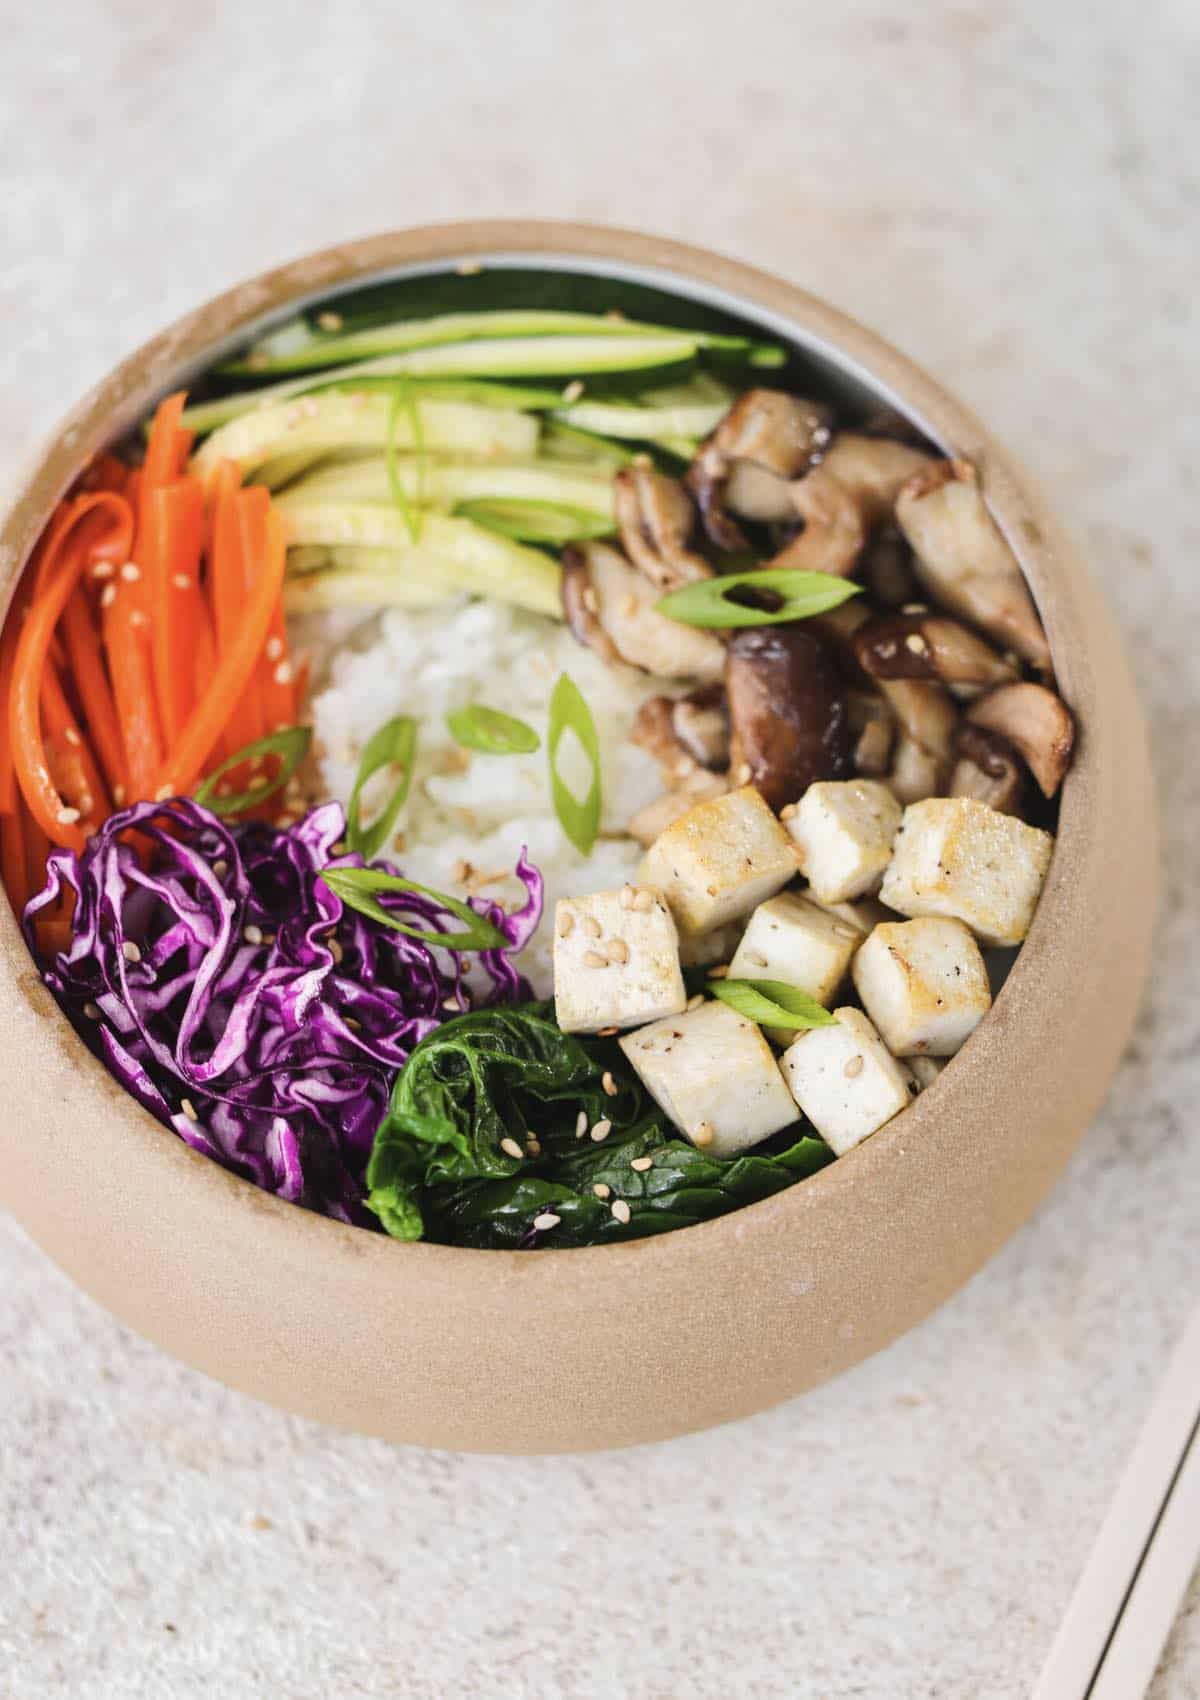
(295, 347)
(453, 551)
(320, 424)
(440, 483)
(562, 442)
(373, 583)
(686, 411)
(499, 357)
(206, 416)
(528, 519)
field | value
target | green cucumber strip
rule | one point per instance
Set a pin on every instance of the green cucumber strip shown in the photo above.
(649, 420)
(468, 557)
(567, 442)
(446, 483)
(289, 349)
(323, 424)
(528, 520)
(206, 416)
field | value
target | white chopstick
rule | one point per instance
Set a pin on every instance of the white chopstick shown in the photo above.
(1110, 1640)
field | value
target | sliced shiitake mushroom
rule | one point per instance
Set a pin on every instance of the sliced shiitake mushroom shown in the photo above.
(964, 560)
(787, 712)
(887, 568)
(684, 733)
(844, 498)
(778, 434)
(1036, 722)
(656, 522)
(873, 730)
(927, 720)
(989, 770)
(609, 607)
(929, 646)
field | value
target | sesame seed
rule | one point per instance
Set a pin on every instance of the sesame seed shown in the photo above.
(118, 794)
(108, 596)
(181, 581)
(510, 1148)
(592, 927)
(644, 900)
(853, 1068)
(131, 572)
(787, 811)
(641, 1164)
(705, 1134)
(743, 773)
(915, 608)
(628, 897)
(258, 781)
(252, 934)
(72, 737)
(546, 1221)
(719, 972)
(642, 459)
(581, 1123)
(130, 951)
(618, 950)
(92, 1011)
(566, 923)
(450, 1003)
(274, 648)
(602, 1189)
(916, 643)
(695, 1001)
(68, 817)
(606, 1032)
(137, 618)
(189, 1109)
(573, 391)
(329, 321)
(220, 868)
(352, 1024)
(601, 1130)
(468, 268)
(609, 1084)
(283, 673)
(620, 1210)
(103, 569)
(593, 959)
(335, 950)
(163, 792)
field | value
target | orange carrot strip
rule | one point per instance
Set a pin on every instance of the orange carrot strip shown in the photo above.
(234, 667)
(72, 764)
(86, 663)
(132, 675)
(10, 796)
(174, 533)
(67, 557)
(37, 848)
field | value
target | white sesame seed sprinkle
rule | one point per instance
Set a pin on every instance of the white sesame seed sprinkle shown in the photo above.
(566, 923)
(68, 817)
(609, 1084)
(92, 1011)
(644, 900)
(330, 321)
(274, 648)
(620, 1210)
(743, 773)
(581, 1123)
(573, 391)
(618, 950)
(72, 737)
(137, 618)
(468, 268)
(252, 934)
(130, 951)
(705, 1134)
(283, 673)
(451, 1003)
(189, 1109)
(181, 581)
(546, 1221)
(628, 897)
(853, 1068)
(641, 1164)
(601, 1130)
(131, 572)
(118, 794)
(602, 1189)
(592, 927)
(510, 1148)
(163, 792)
(108, 596)
(593, 959)
(103, 569)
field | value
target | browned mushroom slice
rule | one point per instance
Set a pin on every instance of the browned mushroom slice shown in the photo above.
(1036, 722)
(787, 711)
(610, 608)
(887, 569)
(927, 719)
(654, 819)
(989, 770)
(701, 724)
(873, 731)
(844, 498)
(963, 559)
(656, 521)
(778, 434)
(929, 646)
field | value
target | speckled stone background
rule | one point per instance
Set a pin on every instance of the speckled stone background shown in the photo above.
(1010, 191)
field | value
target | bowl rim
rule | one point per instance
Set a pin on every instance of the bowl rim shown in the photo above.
(193, 341)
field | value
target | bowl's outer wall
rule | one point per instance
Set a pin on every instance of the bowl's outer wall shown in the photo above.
(496, 1351)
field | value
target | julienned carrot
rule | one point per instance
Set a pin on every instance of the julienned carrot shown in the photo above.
(238, 523)
(173, 536)
(72, 765)
(132, 675)
(86, 663)
(67, 555)
(235, 665)
(10, 796)
(167, 445)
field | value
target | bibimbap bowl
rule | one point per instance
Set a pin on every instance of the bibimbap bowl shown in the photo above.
(605, 1344)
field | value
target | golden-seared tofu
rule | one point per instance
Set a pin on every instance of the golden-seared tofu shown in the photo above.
(719, 860)
(843, 829)
(924, 984)
(790, 939)
(712, 1072)
(955, 856)
(616, 960)
(846, 1080)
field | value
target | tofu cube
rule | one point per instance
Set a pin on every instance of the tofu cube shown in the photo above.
(846, 1080)
(925, 1070)
(790, 939)
(924, 984)
(955, 856)
(616, 960)
(862, 916)
(714, 1074)
(844, 830)
(719, 860)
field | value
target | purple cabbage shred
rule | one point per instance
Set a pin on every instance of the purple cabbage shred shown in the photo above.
(236, 997)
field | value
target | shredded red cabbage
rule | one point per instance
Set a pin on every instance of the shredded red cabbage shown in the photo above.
(228, 988)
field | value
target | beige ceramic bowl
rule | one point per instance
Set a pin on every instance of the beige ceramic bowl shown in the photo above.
(502, 1351)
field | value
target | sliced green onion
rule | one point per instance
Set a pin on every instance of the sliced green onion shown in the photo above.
(402, 400)
(530, 521)
(579, 819)
(357, 888)
(706, 602)
(568, 442)
(291, 744)
(772, 1003)
(477, 727)
(394, 744)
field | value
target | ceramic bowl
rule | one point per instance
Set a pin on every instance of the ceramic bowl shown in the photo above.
(511, 1352)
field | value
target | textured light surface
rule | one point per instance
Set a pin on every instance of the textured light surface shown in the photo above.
(1010, 194)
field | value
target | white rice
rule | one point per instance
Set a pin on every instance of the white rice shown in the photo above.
(468, 815)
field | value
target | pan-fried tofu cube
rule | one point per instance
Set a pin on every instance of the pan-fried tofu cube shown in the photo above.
(924, 984)
(616, 960)
(719, 860)
(844, 830)
(790, 939)
(846, 1080)
(862, 916)
(955, 856)
(714, 1074)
